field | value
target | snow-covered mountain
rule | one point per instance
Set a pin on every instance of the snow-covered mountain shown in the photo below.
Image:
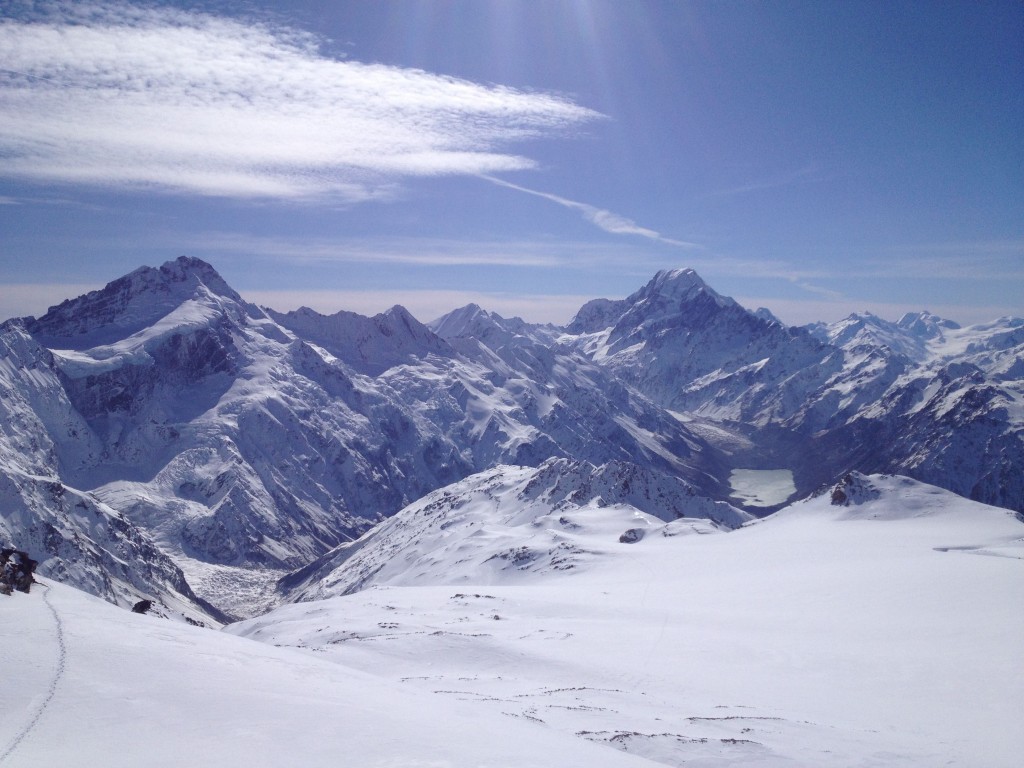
(162, 438)
(241, 441)
(954, 419)
(692, 350)
(921, 396)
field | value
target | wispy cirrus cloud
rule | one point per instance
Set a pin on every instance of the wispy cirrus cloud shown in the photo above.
(599, 217)
(799, 176)
(408, 251)
(107, 93)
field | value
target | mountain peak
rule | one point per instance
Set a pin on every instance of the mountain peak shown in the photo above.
(665, 294)
(678, 278)
(371, 345)
(925, 325)
(676, 286)
(461, 321)
(128, 304)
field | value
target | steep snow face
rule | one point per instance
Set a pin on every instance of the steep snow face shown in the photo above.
(74, 536)
(837, 632)
(511, 524)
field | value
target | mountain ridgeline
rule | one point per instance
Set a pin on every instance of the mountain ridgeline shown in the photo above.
(162, 431)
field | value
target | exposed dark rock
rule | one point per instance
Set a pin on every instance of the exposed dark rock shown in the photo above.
(855, 489)
(632, 536)
(142, 606)
(16, 569)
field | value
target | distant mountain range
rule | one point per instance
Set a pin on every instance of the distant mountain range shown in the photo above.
(162, 438)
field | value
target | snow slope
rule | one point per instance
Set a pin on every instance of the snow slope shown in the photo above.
(879, 630)
(86, 684)
(874, 626)
(515, 525)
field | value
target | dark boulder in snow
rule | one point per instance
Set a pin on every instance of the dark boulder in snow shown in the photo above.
(16, 569)
(854, 488)
(632, 536)
(142, 606)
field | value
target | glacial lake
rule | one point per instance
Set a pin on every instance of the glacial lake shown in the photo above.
(762, 487)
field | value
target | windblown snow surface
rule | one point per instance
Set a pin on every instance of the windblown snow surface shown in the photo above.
(884, 631)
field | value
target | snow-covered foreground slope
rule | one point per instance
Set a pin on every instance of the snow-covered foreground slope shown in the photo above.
(87, 684)
(882, 631)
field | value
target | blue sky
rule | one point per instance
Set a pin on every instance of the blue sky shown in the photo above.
(816, 158)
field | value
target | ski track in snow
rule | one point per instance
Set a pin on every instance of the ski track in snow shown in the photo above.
(54, 682)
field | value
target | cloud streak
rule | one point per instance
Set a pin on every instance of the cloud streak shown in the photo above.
(599, 217)
(407, 251)
(116, 95)
(800, 176)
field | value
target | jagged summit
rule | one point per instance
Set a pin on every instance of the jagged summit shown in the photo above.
(864, 329)
(596, 315)
(767, 315)
(128, 304)
(674, 282)
(670, 293)
(469, 326)
(371, 345)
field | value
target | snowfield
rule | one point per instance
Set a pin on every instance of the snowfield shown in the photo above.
(88, 684)
(884, 631)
